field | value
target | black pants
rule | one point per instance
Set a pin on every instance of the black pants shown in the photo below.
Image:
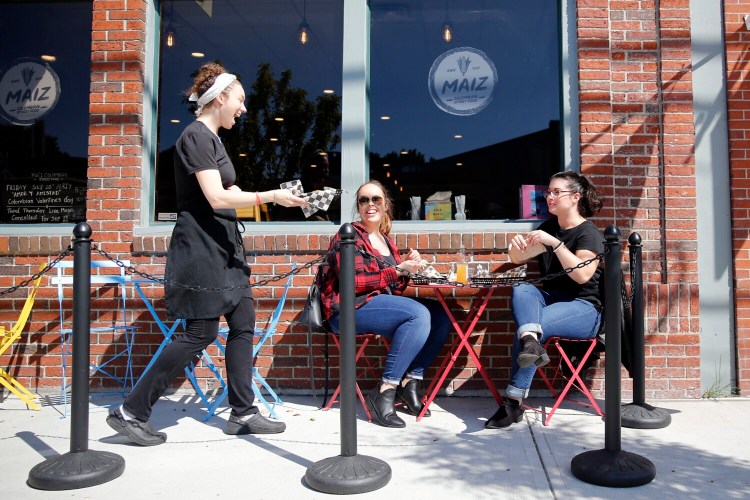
(199, 333)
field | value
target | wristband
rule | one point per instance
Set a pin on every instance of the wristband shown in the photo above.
(274, 197)
(257, 197)
(561, 244)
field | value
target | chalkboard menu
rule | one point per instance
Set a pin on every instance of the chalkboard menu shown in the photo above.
(43, 198)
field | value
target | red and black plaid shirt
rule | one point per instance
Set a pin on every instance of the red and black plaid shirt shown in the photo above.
(369, 279)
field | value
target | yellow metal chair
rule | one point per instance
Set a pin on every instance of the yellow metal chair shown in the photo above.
(7, 337)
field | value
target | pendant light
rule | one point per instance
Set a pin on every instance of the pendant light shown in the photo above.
(303, 31)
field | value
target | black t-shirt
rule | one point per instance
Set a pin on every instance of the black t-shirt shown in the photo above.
(584, 236)
(200, 149)
(206, 271)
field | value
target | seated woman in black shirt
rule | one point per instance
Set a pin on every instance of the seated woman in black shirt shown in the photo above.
(567, 306)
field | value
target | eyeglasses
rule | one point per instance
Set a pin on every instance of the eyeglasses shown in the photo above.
(365, 200)
(556, 193)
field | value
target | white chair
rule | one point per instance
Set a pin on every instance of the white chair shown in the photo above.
(103, 273)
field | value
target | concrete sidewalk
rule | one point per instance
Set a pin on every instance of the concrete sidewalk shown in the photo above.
(703, 453)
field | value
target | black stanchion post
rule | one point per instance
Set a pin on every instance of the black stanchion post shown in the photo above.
(612, 466)
(348, 473)
(639, 414)
(81, 467)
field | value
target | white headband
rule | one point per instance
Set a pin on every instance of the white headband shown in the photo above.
(222, 82)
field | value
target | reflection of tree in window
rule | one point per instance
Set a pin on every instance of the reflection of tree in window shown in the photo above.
(281, 127)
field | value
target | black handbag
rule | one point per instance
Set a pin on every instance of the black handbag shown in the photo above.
(313, 318)
(311, 314)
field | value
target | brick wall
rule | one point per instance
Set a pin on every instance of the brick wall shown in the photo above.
(738, 103)
(637, 145)
(636, 131)
(116, 130)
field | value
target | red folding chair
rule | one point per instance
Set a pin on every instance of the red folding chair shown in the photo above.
(574, 366)
(369, 367)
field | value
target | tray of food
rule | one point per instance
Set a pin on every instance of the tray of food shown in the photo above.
(515, 275)
(419, 280)
(492, 281)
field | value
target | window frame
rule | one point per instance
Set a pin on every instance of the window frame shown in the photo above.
(52, 229)
(355, 128)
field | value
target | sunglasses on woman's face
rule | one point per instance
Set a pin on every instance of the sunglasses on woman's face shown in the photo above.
(365, 200)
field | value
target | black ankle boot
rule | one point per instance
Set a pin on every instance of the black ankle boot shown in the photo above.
(408, 395)
(509, 413)
(381, 407)
(533, 353)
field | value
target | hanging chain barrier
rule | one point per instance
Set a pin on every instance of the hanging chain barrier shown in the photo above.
(634, 264)
(39, 274)
(515, 282)
(150, 277)
(129, 269)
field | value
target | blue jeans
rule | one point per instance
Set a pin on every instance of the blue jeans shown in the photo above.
(415, 328)
(549, 315)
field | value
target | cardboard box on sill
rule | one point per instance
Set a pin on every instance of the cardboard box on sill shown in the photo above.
(437, 210)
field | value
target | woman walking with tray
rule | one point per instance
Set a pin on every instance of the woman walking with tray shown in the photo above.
(206, 273)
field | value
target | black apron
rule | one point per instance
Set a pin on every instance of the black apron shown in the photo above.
(205, 251)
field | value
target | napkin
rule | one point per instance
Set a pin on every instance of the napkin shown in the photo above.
(319, 199)
(460, 207)
(416, 206)
(440, 196)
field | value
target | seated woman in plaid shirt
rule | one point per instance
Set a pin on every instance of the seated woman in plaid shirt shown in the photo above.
(416, 328)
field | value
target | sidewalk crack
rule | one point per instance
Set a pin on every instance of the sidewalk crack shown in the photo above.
(541, 458)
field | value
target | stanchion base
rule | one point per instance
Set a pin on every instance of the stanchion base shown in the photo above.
(348, 475)
(645, 416)
(619, 469)
(76, 470)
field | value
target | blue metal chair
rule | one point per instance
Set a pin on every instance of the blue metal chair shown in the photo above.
(168, 332)
(263, 335)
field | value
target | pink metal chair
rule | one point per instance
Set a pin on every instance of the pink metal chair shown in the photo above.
(573, 379)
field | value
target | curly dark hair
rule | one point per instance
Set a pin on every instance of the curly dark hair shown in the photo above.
(204, 77)
(589, 204)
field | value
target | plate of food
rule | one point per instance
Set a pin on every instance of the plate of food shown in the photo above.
(429, 276)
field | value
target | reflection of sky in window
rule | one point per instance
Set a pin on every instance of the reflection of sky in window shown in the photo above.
(241, 36)
(64, 30)
(521, 38)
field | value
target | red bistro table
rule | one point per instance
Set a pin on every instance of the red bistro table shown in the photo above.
(461, 340)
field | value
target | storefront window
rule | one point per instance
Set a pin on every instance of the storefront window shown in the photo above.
(288, 56)
(45, 74)
(464, 101)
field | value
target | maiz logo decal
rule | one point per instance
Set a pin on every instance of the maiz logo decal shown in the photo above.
(462, 81)
(29, 89)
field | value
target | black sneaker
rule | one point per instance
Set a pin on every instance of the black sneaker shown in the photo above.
(142, 433)
(533, 353)
(253, 424)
